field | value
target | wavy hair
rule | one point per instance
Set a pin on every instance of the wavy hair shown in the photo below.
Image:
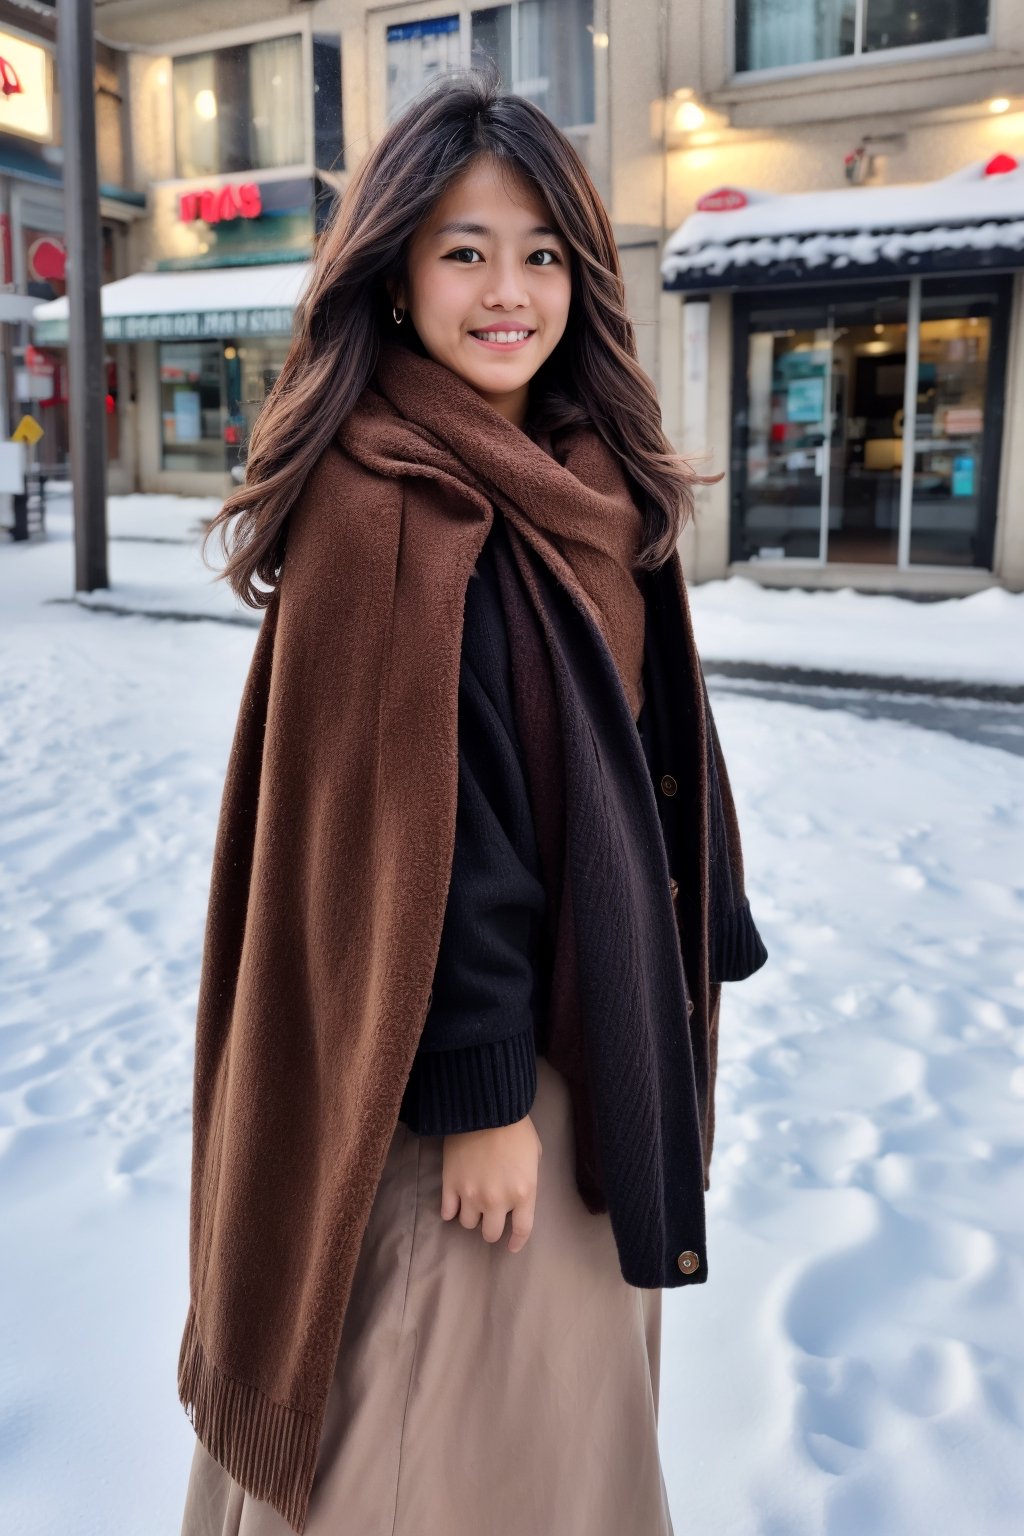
(591, 377)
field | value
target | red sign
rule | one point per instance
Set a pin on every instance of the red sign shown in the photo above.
(9, 82)
(220, 203)
(47, 259)
(722, 200)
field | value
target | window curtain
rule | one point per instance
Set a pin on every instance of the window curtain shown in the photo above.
(277, 105)
(556, 59)
(417, 52)
(196, 139)
(773, 33)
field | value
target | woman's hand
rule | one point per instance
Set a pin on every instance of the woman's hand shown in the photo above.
(489, 1173)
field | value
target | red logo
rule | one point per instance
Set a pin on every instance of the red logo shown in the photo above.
(47, 259)
(9, 82)
(722, 200)
(999, 165)
(220, 203)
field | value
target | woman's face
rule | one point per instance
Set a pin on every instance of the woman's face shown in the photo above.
(487, 259)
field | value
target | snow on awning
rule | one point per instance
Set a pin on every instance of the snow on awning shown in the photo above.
(750, 239)
(204, 303)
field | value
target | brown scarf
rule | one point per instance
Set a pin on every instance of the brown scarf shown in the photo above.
(331, 869)
(571, 502)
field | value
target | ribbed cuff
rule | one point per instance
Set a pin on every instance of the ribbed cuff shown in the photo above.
(472, 1088)
(737, 949)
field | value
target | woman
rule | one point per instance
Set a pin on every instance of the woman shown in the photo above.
(476, 885)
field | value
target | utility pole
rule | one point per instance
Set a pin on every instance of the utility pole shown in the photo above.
(76, 60)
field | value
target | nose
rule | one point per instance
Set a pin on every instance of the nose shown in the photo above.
(507, 289)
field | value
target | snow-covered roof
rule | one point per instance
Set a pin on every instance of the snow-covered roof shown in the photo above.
(204, 302)
(977, 210)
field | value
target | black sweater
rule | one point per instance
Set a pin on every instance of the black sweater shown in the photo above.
(476, 1066)
(476, 1063)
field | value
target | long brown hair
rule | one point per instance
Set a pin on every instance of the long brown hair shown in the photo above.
(592, 375)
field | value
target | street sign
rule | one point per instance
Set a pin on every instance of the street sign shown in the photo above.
(28, 430)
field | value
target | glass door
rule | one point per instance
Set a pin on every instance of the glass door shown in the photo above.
(861, 503)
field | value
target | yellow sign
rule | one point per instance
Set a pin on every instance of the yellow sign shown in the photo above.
(28, 430)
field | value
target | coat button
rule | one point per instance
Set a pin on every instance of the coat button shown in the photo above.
(668, 784)
(689, 1006)
(673, 886)
(688, 1262)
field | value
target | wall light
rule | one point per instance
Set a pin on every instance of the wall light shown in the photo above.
(688, 116)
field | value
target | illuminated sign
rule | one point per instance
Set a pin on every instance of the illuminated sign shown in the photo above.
(9, 82)
(216, 204)
(24, 88)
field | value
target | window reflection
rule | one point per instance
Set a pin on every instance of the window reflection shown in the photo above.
(948, 434)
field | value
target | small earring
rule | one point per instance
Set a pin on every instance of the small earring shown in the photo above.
(398, 317)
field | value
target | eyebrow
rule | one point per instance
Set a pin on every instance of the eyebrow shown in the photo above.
(463, 227)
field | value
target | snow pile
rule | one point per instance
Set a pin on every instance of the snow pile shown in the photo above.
(859, 247)
(979, 638)
(850, 226)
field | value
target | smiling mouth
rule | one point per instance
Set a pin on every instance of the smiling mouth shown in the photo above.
(504, 337)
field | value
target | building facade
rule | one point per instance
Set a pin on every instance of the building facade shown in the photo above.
(844, 325)
(247, 119)
(815, 206)
(33, 378)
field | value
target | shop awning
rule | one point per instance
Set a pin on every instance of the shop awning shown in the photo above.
(17, 306)
(742, 238)
(188, 306)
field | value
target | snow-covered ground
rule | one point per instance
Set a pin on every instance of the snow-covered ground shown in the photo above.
(976, 639)
(854, 1360)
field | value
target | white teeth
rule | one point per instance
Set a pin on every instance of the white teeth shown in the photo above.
(503, 336)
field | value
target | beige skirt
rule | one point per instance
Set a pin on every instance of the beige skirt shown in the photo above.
(479, 1392)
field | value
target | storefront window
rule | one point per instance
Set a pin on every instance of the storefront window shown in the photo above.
(787, 376)
(819, 468)
(773, 35)
(240, 108)
(949, 431)
(251, 368)
(210, 395)
(191, 406)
